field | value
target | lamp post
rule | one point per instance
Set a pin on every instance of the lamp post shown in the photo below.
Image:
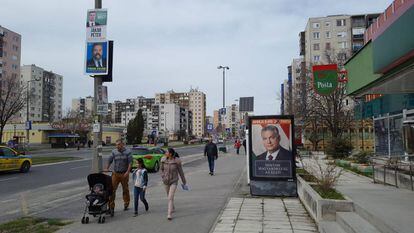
(224, 68)
(28, 126)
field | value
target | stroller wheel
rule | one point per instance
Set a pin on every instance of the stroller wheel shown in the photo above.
(103, 219)
(87, 220)
(83, 220)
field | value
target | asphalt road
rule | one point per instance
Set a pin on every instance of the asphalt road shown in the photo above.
(49, 174)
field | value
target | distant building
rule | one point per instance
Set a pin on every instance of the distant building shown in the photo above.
(194, 101)
(84, 106)
(10, 56)
(45, 101)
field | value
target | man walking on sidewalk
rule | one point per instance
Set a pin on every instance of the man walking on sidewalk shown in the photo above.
(122, 159)
(210, 150)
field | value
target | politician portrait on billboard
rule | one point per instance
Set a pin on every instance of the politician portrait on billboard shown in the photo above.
(96, 58)
(271, 147)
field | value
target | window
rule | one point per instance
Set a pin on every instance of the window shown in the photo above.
(340, 22)
(327, 24)
(315, 46)
(316, 35)
(315, 25)
(328, 35)
(328, 46)
(343, 44)
(316, 58)
(342, 34)
(7, 152)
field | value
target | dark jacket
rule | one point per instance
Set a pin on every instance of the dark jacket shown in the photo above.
(210, 150)
(282, 155)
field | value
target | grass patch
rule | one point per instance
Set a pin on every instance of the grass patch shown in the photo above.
(306, 175)
(330, 194)
(32, 225)
(354, 169)
(51, 159)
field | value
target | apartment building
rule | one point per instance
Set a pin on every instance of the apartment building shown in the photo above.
(10, 56)
(45, 94)
(194, 101)
(84, 106)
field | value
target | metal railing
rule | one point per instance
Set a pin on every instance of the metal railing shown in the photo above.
(398, 167)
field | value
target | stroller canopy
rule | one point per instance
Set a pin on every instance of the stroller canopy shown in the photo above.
(99, 178)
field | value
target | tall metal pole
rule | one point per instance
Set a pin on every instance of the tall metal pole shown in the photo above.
(224, 87)
(27, 114)
(97, 134)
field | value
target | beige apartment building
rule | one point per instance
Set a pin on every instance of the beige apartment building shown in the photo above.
(46, 94)
(83, 105)
(328, 39)
(10, 56)
(194, 101)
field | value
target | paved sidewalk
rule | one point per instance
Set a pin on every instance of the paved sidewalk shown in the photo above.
(264, 215)
(387, 204)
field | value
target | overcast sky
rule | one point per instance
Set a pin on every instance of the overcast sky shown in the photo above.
(175, 44)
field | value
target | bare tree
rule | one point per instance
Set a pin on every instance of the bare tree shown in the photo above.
(74, 122)
(12, 100)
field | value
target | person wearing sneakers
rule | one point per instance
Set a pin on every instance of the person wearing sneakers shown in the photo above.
(140, 178)
(171, 169)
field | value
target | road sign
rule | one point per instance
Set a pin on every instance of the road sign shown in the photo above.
(228, 130)
(96, 128)
(28, 125)
(210, 127)
(102, 109)
(222, 111)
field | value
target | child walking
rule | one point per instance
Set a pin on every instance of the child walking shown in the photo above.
(140, 178)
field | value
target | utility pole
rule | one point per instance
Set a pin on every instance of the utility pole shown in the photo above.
(97, 134)
(224, 68)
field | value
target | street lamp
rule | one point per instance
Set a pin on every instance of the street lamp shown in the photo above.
(28, 126)
(224, 68)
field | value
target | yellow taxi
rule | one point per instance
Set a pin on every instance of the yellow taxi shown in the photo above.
(12, 160)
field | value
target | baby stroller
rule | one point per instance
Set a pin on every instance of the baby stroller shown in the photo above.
(97, 201)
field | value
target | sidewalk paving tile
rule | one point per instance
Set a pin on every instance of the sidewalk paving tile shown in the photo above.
(265, 215)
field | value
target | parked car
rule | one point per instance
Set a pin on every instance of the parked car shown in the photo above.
(151, 156)
(12, 160)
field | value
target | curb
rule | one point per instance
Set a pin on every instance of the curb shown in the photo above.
(238, 182)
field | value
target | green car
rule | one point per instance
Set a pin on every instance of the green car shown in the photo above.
(151, 156)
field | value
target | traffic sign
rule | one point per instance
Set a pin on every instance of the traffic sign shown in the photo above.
(210, 127)
(28, 125)
(102, 109)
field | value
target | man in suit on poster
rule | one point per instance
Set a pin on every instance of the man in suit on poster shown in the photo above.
(271, 141)
(97, 60)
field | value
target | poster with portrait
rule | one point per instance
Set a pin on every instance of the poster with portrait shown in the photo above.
(272, 146)
(96, 59)
(96, 20)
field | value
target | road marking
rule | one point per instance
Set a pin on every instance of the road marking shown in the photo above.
(64, 162)
(9, 200)
(9, 179)
(74, 168)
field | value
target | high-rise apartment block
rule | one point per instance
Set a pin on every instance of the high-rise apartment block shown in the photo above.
(45, 94)
(84, 106)
(194, 101)
(10, 53)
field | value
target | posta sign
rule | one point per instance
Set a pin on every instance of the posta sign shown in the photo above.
(325, 78)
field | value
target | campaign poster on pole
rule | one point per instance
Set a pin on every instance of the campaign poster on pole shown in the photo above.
(96, 20)
(272, 160)
(96, 59)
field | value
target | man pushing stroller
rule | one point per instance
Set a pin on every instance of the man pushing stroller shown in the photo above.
(122, 161)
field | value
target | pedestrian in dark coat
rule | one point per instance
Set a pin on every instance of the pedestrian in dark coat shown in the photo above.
(210, 150)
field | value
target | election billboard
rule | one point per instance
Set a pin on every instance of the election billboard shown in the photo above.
(96, 59)
(96, 21)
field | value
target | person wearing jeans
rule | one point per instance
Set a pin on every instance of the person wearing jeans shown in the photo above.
(140, 178)
(171, 169)
(210, 150)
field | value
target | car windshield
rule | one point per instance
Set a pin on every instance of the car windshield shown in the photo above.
(140, 151)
